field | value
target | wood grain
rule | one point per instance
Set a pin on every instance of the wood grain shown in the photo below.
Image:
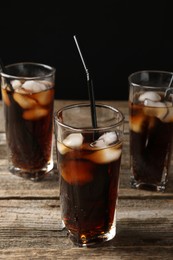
(30, 222)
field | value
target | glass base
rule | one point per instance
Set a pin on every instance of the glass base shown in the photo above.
(83, 241)
(33, 175)
(148, 186)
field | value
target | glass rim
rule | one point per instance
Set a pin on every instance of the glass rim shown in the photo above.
(50, 73)
(146, 71)
(120, 122)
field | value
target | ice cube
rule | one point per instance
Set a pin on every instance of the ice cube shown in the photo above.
(77, 172)
(49, 84)
(109, 138)
(169, 116)
(62, 148)
(44, 98)
(156, 109)
(74, 140)
(22, 91)
(151, 95)
(16, 84)
(33, 86)
(105, 140)
(136, 123)
(98, 143)
(105, 155)
(5, 97)
(152, 103)
(24, 101)
(35, 113)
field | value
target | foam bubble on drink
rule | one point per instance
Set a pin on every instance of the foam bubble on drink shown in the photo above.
(33, 86)
(105, 140)
(156, 109)
(105, 155)
(74, 140)
(151, 95)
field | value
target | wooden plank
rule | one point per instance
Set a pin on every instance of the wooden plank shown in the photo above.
(118, 253)
(30, 223)
(34, 225)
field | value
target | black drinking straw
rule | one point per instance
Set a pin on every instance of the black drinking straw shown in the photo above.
(3, 69)
(90, 88)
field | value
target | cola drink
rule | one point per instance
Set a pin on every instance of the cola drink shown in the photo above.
(93, 174)
(151, 135)
(151, 128)
(28, 110)
(88, 161)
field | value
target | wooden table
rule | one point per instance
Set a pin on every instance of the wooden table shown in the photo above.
(30, 226)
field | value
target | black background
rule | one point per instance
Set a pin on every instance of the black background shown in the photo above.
(117, 37)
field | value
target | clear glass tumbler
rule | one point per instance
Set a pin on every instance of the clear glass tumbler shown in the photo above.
(89, 161)
(28, 98)
(151, 128)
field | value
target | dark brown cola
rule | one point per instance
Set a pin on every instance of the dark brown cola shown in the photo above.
(151, 133)
(89, 190)
(29, 126)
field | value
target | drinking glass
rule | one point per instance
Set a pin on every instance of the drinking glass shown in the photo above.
(28, 97)
(151, 128)
(88, 161)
